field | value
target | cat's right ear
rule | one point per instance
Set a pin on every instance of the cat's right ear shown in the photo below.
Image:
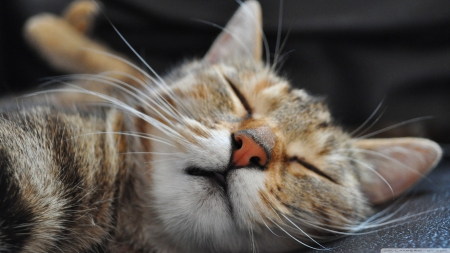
(241, 37)
(393, 165)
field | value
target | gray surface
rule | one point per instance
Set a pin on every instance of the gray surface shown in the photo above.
(430, 229)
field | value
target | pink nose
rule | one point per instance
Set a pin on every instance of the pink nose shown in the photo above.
(249, 150)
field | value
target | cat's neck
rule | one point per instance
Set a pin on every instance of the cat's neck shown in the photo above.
(135, 218)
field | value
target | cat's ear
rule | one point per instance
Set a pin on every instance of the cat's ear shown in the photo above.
(392, 166)
(241, 36)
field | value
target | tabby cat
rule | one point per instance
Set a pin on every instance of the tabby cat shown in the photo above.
(221, 155)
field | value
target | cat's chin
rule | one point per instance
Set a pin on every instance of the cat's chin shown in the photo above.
(196, 201)
(216, 179)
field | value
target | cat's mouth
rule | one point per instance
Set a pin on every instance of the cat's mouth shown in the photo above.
(216, 178)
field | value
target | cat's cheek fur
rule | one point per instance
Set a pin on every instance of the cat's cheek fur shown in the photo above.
(245, 186)
(193, 203)
(190, 211)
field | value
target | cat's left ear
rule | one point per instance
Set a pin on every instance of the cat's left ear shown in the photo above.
(241, 37)
(391, 166)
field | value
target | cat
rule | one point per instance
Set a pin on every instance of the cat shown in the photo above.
(220, 155)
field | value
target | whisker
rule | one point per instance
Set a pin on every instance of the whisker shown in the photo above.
(271, 206)
(384, 156)
(167, 105)
(162, 127)
(373, 123)
(282, 58)
(395, 126)
(265, 224)
(138, 97)
(381, 215)
(295, 239)
(277, 45)
(110, 80)
(303, 232)
(139, 135)
(153, 153)
(156, 82)
(293, 228)
(137, 54)
(252, 239)
(397, 220)
(368, 120)
(374, 171)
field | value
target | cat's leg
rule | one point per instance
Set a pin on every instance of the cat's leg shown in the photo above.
(63, 43)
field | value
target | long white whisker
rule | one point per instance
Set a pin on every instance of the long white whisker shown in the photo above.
(384, 156)
(129, 63)
(164, 103)
(159, 83)
(271, 206)
(162, 127)
(265, 224)
(368, 120)
(374, 171)
(153, 153)
(137, 54)
(297, 240)
(139, 135)
(280, 22)
(397, 220)
(373, 123)
(379, 220)
(395, 126)
(139, 96)
(301, 230)
(276, 212)
(252, 239)
(282, 57)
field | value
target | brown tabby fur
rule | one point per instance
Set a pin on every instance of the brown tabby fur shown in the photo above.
(139, 169)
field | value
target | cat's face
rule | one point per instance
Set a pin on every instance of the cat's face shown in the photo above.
(304, 173)
(248, 162)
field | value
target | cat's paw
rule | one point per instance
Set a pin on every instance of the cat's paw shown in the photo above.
(61, 40)
(57, 41)
(81, 14)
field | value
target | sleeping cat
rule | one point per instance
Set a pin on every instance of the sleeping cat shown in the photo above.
(221, 155)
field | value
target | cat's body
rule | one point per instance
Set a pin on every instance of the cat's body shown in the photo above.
(222, 155)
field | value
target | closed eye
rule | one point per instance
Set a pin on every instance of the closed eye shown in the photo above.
(240, 97)
(310, 167)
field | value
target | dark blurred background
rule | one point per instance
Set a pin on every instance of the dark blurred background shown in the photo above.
(354, 53)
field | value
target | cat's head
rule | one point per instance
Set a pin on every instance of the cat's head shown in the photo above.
(246, 161)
